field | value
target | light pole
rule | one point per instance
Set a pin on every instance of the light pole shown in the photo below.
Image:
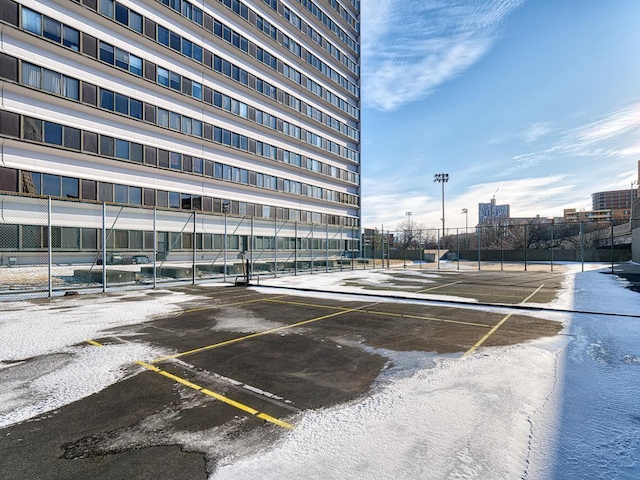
(407, 237)
(466, 227)
(442, 178)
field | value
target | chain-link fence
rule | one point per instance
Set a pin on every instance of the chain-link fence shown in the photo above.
(523, 243)
(52, 246)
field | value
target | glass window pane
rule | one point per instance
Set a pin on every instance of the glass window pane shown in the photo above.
(107, 146)
(72, 138)
(53, 133)
(163, 76)
(135, 108)
(163, 35)
(51, 81)
(122, 14)
(136, 152)
(70, 187)
(52, 29)
(135, 65)
(121, 193)
(174, 121)
(163, 117)
(31, 21)
(71, 88)
(122, 59)
(71, 38)
(135, 21)
(174, 200)
(107, 8)
(106, 192)
(174, 80)
(31, 75)
(106, 99)
(106, 53)
(122, 104)
(51, 185)
(122, 149)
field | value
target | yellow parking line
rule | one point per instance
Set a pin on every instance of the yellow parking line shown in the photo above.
(499, 324)
(439, 286)
(93, 342)
(254, 335)
(199, 309)
(217, 396)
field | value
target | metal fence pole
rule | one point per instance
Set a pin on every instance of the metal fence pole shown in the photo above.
(224, 268)
(479, 245)
(525, 247)
(341, 247)
(295, 248)
(104, 247)
(275, 247)
(502, 250)
(458, 246)
(582, 244)
(49, 248)
(195, 249)
(155, 246)
(352, 247)
(438, 236)
(326, 226)
(312, 225)
(611, 244)
(251, 244)
(552, 246)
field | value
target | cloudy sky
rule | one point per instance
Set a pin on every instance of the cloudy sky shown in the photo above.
(534, 101)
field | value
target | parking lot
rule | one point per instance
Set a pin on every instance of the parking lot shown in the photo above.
(239, 366)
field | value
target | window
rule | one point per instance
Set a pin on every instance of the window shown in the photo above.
(121, 194)
(135, 65)
(52, 81)
(106, 192)
(174, 81)
(135, 21)
(107, 8)
(163, 117)
(106, 53)
(122, 150)
(52, 30)
(51, 185)
(70, 187)
(52, 133)
(107, 146)
(106, 99)
(163, 35)
(122, 14)
(71, 88)
(72, 138)
(31, 75)
(31, 21)
(122, 59)
(136, 152)
(135, 108)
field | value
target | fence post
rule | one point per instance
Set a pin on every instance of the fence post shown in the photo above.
(479, 229)
(104, 247)
(352, 245)
(312, 225)
(195, 248)
(49, 248)
(224, 267)
(525, 247)
(582, 244)
(612, 244)
(251, 243)
(458, 246)
(326, 226)
(552, 245)
(438, 236)
(295, 248)
(275, 247)
(155, 246)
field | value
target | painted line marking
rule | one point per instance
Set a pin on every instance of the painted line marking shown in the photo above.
(240, 406)
(499, 324)
(376, 312)
(212, 307)
(439, 286)
(94, 343)
(258, 334)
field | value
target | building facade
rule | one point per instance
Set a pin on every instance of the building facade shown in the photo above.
(246, 108)
(614, 199)
(490, 212)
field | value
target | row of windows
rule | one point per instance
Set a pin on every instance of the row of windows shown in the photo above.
(331, 25)
(124, 60)
(272, 31)
(53, 82)
(51, 133)
(36, 237)
(345, 14)
(133, 64)
(191, 50)
(129, 62)
(12, 180)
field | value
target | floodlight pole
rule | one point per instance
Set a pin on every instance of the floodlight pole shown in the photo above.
(466, 227)
(442, 178)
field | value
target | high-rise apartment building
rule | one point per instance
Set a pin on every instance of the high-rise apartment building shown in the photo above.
(249, 107)
(614, 199)
(490, 212)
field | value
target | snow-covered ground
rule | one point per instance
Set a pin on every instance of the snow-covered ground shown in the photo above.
(566, 407)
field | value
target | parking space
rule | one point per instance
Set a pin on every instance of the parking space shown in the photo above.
(239, 365)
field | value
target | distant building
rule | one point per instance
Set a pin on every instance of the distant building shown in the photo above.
(489, 212)
(614, 199)
(573, 215)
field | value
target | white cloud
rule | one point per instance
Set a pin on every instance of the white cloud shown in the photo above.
(410, 48)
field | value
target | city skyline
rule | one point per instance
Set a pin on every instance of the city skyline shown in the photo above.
(533, 103)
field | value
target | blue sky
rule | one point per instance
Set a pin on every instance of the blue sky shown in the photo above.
(534, 101)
